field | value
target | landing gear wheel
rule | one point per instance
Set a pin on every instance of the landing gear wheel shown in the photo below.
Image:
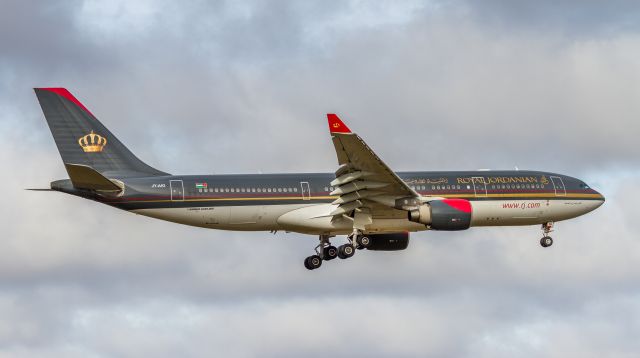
(345, 251)
(329, 253)
(546, 241)
(363, 242)
(312, 262)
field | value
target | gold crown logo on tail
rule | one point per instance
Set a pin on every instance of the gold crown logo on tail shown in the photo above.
(92, 143)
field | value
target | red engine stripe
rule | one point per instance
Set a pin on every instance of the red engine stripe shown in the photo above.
(459, 204)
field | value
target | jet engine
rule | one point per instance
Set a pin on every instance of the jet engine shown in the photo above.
(446, 214)
(388, 242)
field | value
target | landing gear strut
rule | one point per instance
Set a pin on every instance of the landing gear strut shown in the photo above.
(546, 240)
(324, 251)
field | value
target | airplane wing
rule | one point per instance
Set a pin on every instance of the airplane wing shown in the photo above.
(366, 185)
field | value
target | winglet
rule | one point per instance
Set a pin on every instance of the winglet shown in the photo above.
(336, 125)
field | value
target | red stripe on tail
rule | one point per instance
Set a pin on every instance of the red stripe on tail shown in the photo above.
(66, 94)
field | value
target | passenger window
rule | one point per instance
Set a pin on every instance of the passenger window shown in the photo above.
(433, 187)
(295, 189)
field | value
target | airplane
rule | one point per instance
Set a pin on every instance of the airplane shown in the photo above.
(374, 206)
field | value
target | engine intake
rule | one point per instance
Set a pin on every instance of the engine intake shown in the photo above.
(389, 242)
(446, 214)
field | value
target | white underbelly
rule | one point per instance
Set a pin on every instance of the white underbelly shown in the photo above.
(312, 219)
(239, 218)
(528, 212)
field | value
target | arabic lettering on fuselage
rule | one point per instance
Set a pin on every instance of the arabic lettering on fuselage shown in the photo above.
(428, 181)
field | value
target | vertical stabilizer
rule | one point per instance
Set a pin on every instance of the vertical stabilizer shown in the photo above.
(82, 139)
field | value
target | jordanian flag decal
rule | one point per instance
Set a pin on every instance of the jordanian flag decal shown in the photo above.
(201, 185)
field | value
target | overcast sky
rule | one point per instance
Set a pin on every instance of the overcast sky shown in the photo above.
(243, 87)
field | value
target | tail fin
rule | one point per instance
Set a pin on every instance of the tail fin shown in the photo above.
(82, 139)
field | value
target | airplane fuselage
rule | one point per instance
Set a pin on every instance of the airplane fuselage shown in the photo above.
(302, 202)
(375, 206)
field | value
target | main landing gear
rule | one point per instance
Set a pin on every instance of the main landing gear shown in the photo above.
(326, 252)
(546, 240)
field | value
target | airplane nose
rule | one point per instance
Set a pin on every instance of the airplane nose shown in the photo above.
(601, 198)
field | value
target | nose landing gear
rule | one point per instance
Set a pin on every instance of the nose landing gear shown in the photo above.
(546, 240)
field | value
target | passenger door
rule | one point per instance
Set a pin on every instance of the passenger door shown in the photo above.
(479, 187)
(558, 186)
(177, 190)
(306, 192)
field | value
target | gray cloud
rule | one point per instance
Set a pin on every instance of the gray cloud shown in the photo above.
(242, 87)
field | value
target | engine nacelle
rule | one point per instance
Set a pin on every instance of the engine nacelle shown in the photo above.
(446, 214)
(389, 242)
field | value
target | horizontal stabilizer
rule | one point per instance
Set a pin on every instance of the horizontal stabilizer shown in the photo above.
(85, 177)
(39, 189)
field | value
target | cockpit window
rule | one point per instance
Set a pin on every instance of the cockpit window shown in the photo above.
(584, 186)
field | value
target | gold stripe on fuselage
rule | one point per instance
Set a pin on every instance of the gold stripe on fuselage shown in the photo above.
(541, 196)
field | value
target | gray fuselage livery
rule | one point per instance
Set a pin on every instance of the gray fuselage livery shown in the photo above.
(364, 199)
